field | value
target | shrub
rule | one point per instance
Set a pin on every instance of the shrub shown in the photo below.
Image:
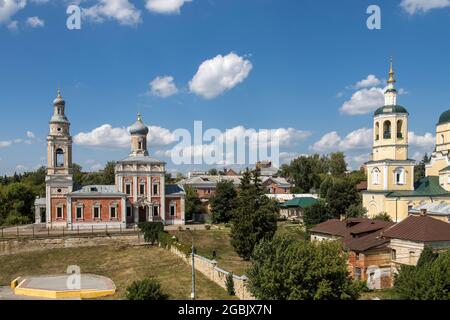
(207, 227)
(15, 219)
(151, 230)
(229, 282)
(146, 289)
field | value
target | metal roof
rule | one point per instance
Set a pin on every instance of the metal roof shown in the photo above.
(97, 190)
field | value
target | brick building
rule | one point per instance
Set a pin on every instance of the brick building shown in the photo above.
(139, 193)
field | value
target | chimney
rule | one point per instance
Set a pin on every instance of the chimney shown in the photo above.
(423, 212)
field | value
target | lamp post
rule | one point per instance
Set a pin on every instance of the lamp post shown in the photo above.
(193, 265)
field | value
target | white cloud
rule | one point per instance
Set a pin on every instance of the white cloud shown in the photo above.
(4, 144)
(424, 143)
(121, 10)
(219, 74)
(415, 6)
(359, 139)
(106, 136)
(165, 6)
(364, 101)
(35, 22)
(370, 81)
(163, 87)
(9, 8)
(31, 135)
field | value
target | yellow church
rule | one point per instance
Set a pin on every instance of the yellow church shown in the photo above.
(390, 173)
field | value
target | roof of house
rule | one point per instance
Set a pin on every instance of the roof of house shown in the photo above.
(420, 228)
(141, 159)
(361, 186)
(97, 190)
(303, 202)
(212, 180)
(426, 187)
(357, 234)
(174, 189)
(40, 201)
(434, 208)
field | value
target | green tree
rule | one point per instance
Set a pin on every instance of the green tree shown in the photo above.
(18, 200)
(109, 173)
(229, 283)
(284, 268)
(146, 289)
(193, 205)
(419, 169)
(326, 184)
(427, 257)
(316, 214)
(305, 172)
(341, 196)
(383, 216)
(213, 172)
(356, 211)
(338, 165)
(223, 202)
(255, 216)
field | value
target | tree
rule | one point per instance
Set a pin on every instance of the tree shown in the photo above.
(109, 173)
(229, 283)
(305, 172)
(17, 200)
(146, 289)
(213, 172)
(383, 216)
(316, 214)
(151, 230)
(193, 205)
(326, 184)
(427, 257)
(419, 169)
(255, 216)
(356, 211)
(341, 196)
(338, 166)
(223, 202)
(429, 280)
(284, 268)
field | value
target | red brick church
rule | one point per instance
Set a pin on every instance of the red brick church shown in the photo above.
(139, 194)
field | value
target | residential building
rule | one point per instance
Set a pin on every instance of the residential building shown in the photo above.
(294, 208)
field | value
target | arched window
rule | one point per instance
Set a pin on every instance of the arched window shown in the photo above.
(375, 176)
(387, 130)
(400, 129)
(399, 175)
(442, 139)
(59, 157)
(377, 131)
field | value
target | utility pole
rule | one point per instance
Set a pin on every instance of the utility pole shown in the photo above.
(193, 265)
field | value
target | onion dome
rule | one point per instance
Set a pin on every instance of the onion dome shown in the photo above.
(59, 100)
(445, 117)
(138, 128)
(390, 109)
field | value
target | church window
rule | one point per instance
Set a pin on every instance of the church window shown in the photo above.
(173, 209)
(376, 176)
(377, 131)
(59, 157)
(142, 189)
(155, 211)
(140, 145)
(96, 212)
(113, 212)
(79, 212)
(399, 174)
(442, 139)
(128, 189)
(155, 189)
(387, 130)
(59, 212)
(400, 129)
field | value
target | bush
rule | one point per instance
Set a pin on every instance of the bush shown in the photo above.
(207, 227)
(151, 230)
(15, 219)
(229, 282)
(146, 289)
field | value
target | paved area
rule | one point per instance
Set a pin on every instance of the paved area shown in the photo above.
(6, 293)
(62, 282)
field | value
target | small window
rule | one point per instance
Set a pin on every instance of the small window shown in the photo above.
(173, 209)
(155, 189)
(376, 176)
(79, 214)
(358, 273)
(357, 257)
(113, 212)
(128, 189)
(97, 212)
(128, 211)
(155, 211)
(393, 255)
(140, 145)
(59, 158)
(59, 212)
(142, 189)
(399, 176)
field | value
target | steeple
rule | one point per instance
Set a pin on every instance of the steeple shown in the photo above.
(390, 95)
(391, 74)
(139, 132)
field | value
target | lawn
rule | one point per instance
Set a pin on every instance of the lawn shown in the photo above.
(122, 264)
(218, 239)
(383, 294)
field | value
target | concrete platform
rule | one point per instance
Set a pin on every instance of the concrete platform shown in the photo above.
(56, 287)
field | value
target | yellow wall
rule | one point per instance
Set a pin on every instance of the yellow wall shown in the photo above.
(436, 166)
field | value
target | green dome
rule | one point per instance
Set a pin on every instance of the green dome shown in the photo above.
(390, 109)
(445, 117)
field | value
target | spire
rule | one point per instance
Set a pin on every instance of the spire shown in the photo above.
(391, 74)
(139, 118)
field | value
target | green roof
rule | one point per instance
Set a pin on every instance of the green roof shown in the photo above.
(303, 202)
(445, 169)
(445, 117)
(390, 109)
(426, 187)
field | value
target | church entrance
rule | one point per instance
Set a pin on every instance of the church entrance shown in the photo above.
(43, 215)
(142, 214)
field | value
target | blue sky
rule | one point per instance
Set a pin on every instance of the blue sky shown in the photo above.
(294, 65)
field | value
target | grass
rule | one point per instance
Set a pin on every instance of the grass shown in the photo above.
(123, 264)
(218, 239)
(383, 294)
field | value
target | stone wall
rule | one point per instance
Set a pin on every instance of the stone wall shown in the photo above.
(30, 244)
(209, 269)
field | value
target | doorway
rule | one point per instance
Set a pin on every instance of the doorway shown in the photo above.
(43, 213)
(142, 214)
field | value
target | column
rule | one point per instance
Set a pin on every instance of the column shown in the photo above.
(124, 211)
(162, 192)
(69, 211)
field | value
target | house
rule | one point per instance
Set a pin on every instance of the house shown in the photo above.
(369, 257)
(409, 237)
(437, 210)
(294, 208)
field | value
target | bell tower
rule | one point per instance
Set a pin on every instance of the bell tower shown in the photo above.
(59, 179)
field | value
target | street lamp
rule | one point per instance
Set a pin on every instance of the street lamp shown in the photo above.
(193, 265)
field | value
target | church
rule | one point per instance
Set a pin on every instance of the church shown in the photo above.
(140, 192)
(391, 187)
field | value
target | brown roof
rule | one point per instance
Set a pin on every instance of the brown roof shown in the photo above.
(357, 234)
(420, 228)
(361, 186)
